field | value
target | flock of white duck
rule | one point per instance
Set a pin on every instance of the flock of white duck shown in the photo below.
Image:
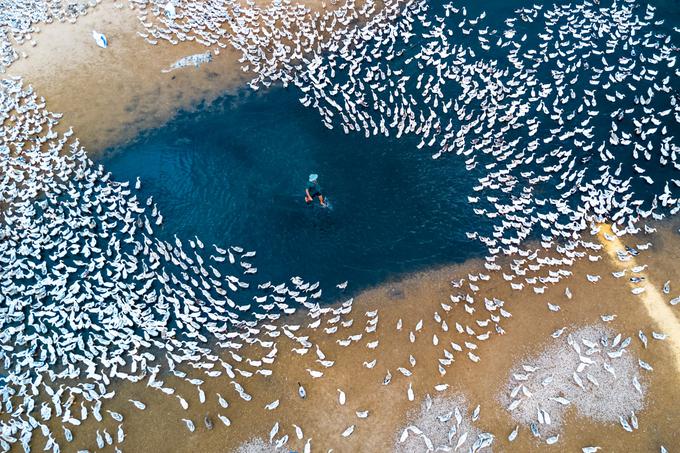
(566, 113)
(21, 19)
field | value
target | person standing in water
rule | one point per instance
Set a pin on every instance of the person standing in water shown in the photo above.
(313, 190)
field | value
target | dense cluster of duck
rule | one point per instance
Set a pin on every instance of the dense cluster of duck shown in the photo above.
(590, 369)
(572, 126)
(88, 289)
(21, 19)
(91, 295)
(567, 112)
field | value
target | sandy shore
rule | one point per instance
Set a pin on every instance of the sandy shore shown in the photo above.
(110, 95)
(417, 298)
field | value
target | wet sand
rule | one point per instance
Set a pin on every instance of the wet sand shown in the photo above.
(160, 428)
(110, 95)
(655, 303)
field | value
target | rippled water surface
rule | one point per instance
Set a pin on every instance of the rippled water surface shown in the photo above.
(235, 173)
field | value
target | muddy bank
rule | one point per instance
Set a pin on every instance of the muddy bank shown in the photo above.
(419, 297)
(110, 95)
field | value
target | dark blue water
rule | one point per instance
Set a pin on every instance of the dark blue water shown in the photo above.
(234, 174)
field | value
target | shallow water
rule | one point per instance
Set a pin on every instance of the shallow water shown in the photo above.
(234, 173)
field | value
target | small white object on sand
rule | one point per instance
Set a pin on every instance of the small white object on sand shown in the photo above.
(100, 39)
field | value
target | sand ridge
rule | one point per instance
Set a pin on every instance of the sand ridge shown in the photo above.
(656, 305)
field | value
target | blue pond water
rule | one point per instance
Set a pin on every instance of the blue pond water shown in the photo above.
(234, 174)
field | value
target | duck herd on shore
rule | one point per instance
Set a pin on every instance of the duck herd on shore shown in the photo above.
(567, 114)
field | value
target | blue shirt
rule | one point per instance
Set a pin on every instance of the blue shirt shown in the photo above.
(314, 188)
